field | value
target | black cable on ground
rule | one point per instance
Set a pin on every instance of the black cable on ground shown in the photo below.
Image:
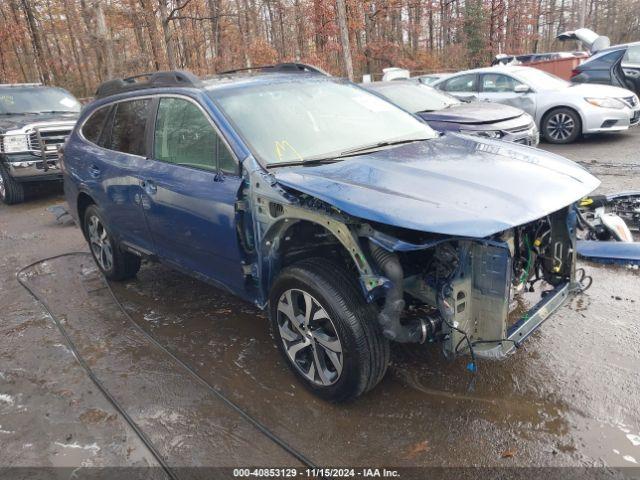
(230, 403)
(87, 368)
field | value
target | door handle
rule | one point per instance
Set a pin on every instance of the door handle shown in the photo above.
(149, 186)
(94, 171)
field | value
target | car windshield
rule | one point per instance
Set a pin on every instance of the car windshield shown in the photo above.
(18, 100)
(540, 80)
(297, 121)
(415, 97)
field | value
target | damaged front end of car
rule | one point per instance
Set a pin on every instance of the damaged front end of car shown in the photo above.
(459, 291)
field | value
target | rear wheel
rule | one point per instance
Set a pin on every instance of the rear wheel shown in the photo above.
(326, 332)
(561, 125)
(11, 191)
(114, 263)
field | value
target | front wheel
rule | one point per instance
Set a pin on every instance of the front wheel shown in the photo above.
(114, 263)
(326, 332)
(11, 191)
(561, 125)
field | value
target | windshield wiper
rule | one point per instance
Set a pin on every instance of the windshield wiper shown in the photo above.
(54, 111)
(308, 162)
(317, 160)
(389, 143)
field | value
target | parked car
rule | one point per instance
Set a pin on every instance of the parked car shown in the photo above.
(333, 209)
(562, 110)
(430, 78)
(34, 122)
(618, 66)
(444, 112)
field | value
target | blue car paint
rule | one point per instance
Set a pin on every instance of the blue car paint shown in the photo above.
(453, 185)
(192, 218)
(178, 222)
(625, 253)
(440, 186)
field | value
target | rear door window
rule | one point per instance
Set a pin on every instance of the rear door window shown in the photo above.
(185, 136)
(128, 128)
(93, 126)
(463, 83)
(632, 56)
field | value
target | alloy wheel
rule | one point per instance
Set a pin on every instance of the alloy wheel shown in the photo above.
(100, 243)
(560, 126)
(309, 337)
(3, 188)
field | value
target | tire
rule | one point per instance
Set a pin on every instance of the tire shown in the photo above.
(561, 125)
(113, 262)
(11, 191)
(338, 313)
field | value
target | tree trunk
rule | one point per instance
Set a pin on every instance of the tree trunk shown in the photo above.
(214, 13)
(166, 31)
(341, 13)
(37, 43)
(152, 28)
(105, 39)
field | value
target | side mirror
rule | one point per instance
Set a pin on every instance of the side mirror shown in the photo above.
(521, 89)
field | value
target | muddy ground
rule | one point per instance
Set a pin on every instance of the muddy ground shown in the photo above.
(569, 397)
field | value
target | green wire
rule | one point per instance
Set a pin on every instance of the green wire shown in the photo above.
(525, 274)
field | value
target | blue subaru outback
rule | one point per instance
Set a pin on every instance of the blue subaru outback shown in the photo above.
(349, 219)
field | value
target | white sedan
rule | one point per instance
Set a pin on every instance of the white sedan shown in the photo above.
(562, 110)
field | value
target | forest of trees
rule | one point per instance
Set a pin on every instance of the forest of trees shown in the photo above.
(79, 43)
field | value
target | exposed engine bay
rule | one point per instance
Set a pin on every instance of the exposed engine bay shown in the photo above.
(469, 285)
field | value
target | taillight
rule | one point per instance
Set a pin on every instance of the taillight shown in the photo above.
(575, 72)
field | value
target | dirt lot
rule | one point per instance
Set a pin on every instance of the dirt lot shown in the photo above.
(569, 397)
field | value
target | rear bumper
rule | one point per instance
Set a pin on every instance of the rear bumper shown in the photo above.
(528, 323)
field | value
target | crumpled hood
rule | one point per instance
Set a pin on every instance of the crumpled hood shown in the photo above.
(452, 185)
(473, 113)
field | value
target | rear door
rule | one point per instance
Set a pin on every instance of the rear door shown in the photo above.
(500, 88)
(602, 68)
(631, 68)
(115, 168)
(191, 192)
(464, 87)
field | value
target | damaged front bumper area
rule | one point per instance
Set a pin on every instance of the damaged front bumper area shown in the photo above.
(468, 294)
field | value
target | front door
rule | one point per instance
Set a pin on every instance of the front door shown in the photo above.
(500, 88)
(191, 190)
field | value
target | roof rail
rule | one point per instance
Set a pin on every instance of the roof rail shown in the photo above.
(173, 78)
(293, 67)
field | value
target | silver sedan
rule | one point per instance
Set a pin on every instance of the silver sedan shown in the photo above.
(562, 110)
